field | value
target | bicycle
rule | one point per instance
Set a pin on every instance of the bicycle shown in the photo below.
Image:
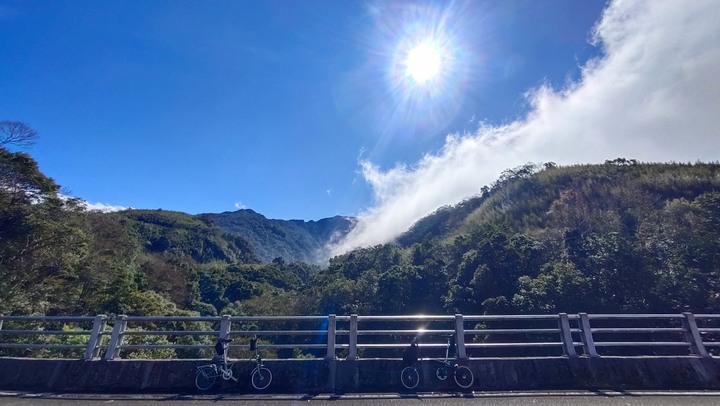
(260, 376)
(409, 375)
(462, 375)
(207, 374)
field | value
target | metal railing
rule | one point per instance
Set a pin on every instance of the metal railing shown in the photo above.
(355, 336)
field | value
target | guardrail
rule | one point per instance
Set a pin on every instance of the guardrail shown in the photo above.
(355, 336)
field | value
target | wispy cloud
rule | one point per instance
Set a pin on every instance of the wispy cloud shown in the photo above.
(240, 206)
(653, 96)
(105, 208)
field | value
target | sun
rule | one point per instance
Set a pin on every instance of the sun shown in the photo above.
(423, 63)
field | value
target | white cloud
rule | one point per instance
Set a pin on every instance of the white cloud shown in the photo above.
(654, 96)
(105, 208)
(240, 206)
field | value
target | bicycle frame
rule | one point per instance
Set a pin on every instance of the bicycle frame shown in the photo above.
(445, 367)
(462, 375)
(257, 357)
(260, 377)
(208, 373)
(223, 370)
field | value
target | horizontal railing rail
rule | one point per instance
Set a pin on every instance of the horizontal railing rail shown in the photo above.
(362, 336)
(667, 334)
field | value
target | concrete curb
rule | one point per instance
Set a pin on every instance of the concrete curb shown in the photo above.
(361, 376)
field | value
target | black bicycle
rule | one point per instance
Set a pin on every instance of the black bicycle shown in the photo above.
(261, 376)
(409, 375)
(462, 375)
(219, 368)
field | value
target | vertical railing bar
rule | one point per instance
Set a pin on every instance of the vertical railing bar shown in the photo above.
(352, 351)
(460, 336)
(566, 336)
(331, 337)
(224, 332)
(93, 344)
(692, 335)
(587, 337)
(116, 338)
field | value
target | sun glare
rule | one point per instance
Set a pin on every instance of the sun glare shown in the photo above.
(423, 63)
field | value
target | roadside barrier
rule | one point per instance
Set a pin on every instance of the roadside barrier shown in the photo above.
(362, 336)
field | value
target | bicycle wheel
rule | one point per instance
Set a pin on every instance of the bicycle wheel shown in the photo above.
(261, 378)
(410, 377)
(463, 377)
(203, 381)
(441, 373)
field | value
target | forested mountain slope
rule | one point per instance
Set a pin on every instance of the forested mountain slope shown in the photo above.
(618, 237)
(58, 258)
(292, 240)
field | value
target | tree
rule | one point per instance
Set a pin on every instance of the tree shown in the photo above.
(41, 238)
(16, 133)
(21, 181)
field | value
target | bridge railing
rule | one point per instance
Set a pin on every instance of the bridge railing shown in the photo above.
(359, 336)
(37, 332)
(708, 326)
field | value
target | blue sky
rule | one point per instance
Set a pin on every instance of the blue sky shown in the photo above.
(205, 106)
(306, 109)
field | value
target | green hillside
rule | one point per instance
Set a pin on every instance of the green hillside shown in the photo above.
(57, 258)
(292, 240)
(618, 237)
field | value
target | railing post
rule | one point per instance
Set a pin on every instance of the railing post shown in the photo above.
(352, 351)
(692, 335)
(460, 336)
(587, 338)
(95, 341)
(116, 338)
(1, 321)
(566, 336)
(224, 332)
(331, 338)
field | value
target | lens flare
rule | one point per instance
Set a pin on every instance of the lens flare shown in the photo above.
(412, 83)
(423, 62)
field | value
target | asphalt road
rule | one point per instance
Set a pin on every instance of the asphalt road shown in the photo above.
(576, 398)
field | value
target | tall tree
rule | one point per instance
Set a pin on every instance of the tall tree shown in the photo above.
(41, 238)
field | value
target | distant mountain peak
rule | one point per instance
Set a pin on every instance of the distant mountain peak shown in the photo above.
(292, 240)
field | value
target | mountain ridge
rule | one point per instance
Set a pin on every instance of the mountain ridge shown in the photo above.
(292, 240)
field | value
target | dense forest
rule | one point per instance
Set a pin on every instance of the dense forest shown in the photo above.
(58, 258)
(293, 240)
(618, 237)
(623, 236)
